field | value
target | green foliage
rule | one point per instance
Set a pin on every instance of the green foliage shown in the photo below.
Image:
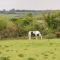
(50, 36)
(47, 23)
(13, 19)
(25, 23)
(52, 19)
(2, 24)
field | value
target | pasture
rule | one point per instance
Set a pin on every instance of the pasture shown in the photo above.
(46, 49)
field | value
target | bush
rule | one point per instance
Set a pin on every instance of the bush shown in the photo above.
(3, 24)
(50, 36)
(57, 34)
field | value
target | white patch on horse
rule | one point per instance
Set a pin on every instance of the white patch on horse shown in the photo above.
(36, 33)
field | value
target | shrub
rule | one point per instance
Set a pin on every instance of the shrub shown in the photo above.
(50, 36)
(57, 34)
(3, 24)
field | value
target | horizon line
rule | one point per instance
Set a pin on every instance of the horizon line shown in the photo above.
(28, 9)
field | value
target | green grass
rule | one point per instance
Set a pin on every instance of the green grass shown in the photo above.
(30, 49)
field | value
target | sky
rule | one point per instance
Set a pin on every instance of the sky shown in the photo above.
(30, 4)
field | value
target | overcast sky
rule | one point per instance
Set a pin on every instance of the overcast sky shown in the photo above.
(30, 4)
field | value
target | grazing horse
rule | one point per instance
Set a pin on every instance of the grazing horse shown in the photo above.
(36, 33)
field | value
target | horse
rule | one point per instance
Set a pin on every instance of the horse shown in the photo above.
(36, 33)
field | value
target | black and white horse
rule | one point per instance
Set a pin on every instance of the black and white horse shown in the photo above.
(36, 33)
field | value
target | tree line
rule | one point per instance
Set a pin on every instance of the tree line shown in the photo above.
(48, 23)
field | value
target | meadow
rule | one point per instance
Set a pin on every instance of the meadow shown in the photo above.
(46, 49)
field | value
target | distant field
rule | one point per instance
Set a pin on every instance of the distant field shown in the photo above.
(12, 15)
(30, 49)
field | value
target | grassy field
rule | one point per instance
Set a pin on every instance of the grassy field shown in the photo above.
(30, 49)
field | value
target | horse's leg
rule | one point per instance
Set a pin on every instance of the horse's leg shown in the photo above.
(36, 36)
(40, 36)
(29, 35)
